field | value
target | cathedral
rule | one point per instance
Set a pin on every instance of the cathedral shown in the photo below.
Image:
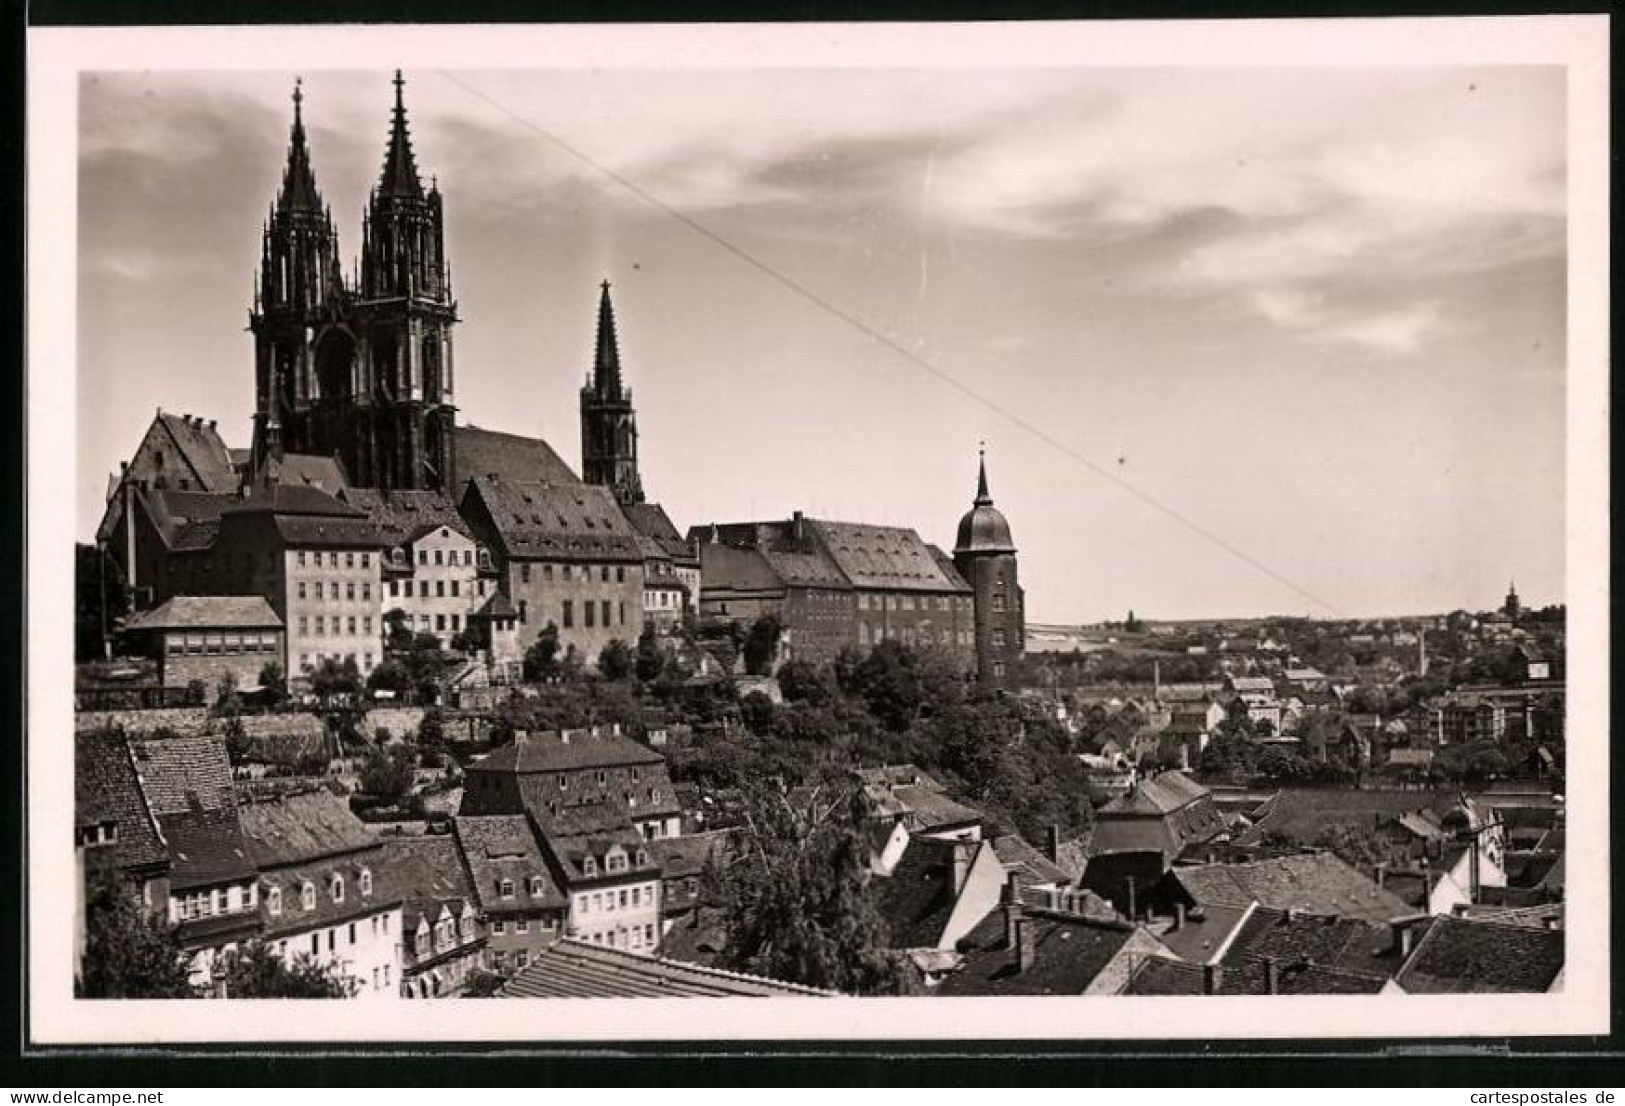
(357, 369)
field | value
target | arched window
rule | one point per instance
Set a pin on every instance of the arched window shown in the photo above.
(307, 895)
(336, 888)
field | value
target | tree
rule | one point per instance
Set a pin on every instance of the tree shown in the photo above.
(761, 645)
(390, 675)
(273, 683)
(650, 662)
(128, 952)
(803, 682)
(571, 667)
(795, 902)
(387, 774)
(615, 660)
(257, 971)
(541, 659)
(335, 677)
(399, 629)
(227, 702)
(756, 711)
(99, 601)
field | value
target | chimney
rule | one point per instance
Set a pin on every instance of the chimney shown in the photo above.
(1012, 910)
(1406, 936)
(1210, 979)
(1179, 917)
(1054, 850)
(1132, 899)
(1026, 944)
(797, 527)
(1271, 983)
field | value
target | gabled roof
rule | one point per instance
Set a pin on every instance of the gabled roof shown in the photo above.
(651, 520)
(489, 453)
(1302, 813)
(917, 898)
(302, 827)
(533, 520)
(1463, 956)
(725, 568)
(567, 751)
(1349, 944)
(504, 846)
(575, 969)
(212, 612)
(199, 443)
(1317, 883)
(893, 558)
(426, 874)
(926, 809)
(1028, 864)
(179, 774)
(1069, 953)
(205, 847)
(107, 789)
(306, 470)
(1160, 976)
(1162, 794)
(403, 516)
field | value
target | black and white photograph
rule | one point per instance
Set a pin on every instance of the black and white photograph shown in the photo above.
(900, 521)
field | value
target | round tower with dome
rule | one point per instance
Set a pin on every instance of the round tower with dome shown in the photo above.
(985, 556)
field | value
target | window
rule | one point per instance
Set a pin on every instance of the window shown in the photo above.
(423, 556)
(337, 888)
(643, 858)
(440, 589)
(524, 612)
(536, 887)
(394, 588)
(524, 573)
(349, 560)
(587, 609)
(301, 589)
(273, 901)
(634, 896)
(603, 606)
(349, 591)
(352, 933)
(315, 943)
(366, 881)
(454, 594)
(456, 622)
(304, 624)
(620, 574)
(366, 592)
(333, 560)
(307, 895)
(319, 592)
(505, 888)
(299, 558)
(366, 560)
(589, 867)
(366, 624)
(566, 572)
(439, 556)
(440, 622)
(569, 614)
(522, 926)
(521, 957)
(423, 589)
(499, 927)
(623, 612)
(547, 572)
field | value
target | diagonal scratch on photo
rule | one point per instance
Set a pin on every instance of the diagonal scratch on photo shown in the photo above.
(786, 533)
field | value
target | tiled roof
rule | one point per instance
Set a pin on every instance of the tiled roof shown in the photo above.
(293, 499)
(180, 774)
(894, 774)
(687, 855)
(805, 569)
(301, 827)
(566, 751)
(927, 809)
(200, 444)
(893, 558)
(310, 470)
(504, 846)
(1302, 814)
(424, 873)
(107, 789)
(1162, 794)
(1160, 976)
(1462, 956)
(725, 568)
(1347, 944)
(1069, 952)
(577, 522)
(945, 565)
(1205, 932)
(917, 898)
(1029, 865)
(651, 521)
(484, 453)
(402, 516)
(291, 879)
(575, 969)
(205, 847)
(208, 611)
(1317, 883)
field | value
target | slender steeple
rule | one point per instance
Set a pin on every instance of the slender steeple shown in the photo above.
(607, 360)
(982, 498)
(298, 182)
(400, 176)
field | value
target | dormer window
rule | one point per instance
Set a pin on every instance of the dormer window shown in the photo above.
(366, 881)
(505, 888)
(643, 858)
(536, 887)
(273, 901)
(589, 866)
(337, 888)
(307, 895)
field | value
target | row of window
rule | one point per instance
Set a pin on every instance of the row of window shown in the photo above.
(447, 934)
(222, 644)
(499, 927)
(505, 887)
(583, 572)
(636, 937)
(403, 588)
(603, 902)
(924, 635)
(452, 557)
(332, 559)
(206, 904)
(339, 623)
(307, 892)
(309, 661)
(907, 602)
(329, 590)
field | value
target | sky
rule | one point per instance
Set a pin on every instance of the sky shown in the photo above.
(1239, 342)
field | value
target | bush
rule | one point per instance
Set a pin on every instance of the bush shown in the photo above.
(615, 660)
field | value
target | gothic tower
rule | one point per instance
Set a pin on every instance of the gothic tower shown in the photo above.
(300, 284)
(986, 557)
(609, 425)
(369, 375)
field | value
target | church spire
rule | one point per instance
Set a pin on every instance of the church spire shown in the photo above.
(607, 360)
(400, 176)
(298, 182)
(982, 498)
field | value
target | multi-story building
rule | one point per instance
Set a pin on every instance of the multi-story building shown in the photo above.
(213, 890)
(610, 874)
(1464, 719)
(835, 584)
(442, 942)
(568, 559)
(114, 829)
(314, 559)
(320, 893)
(519, 900)
(436, 579)
(985, 556)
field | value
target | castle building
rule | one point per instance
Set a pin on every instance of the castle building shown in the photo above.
(358, 370)
(986, 557)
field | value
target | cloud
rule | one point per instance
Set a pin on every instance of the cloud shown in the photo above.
(1393, 331)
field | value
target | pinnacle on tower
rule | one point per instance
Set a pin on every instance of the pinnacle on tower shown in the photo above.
(607, 359)
(983, 499)
(400, 176)
(298, 182)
